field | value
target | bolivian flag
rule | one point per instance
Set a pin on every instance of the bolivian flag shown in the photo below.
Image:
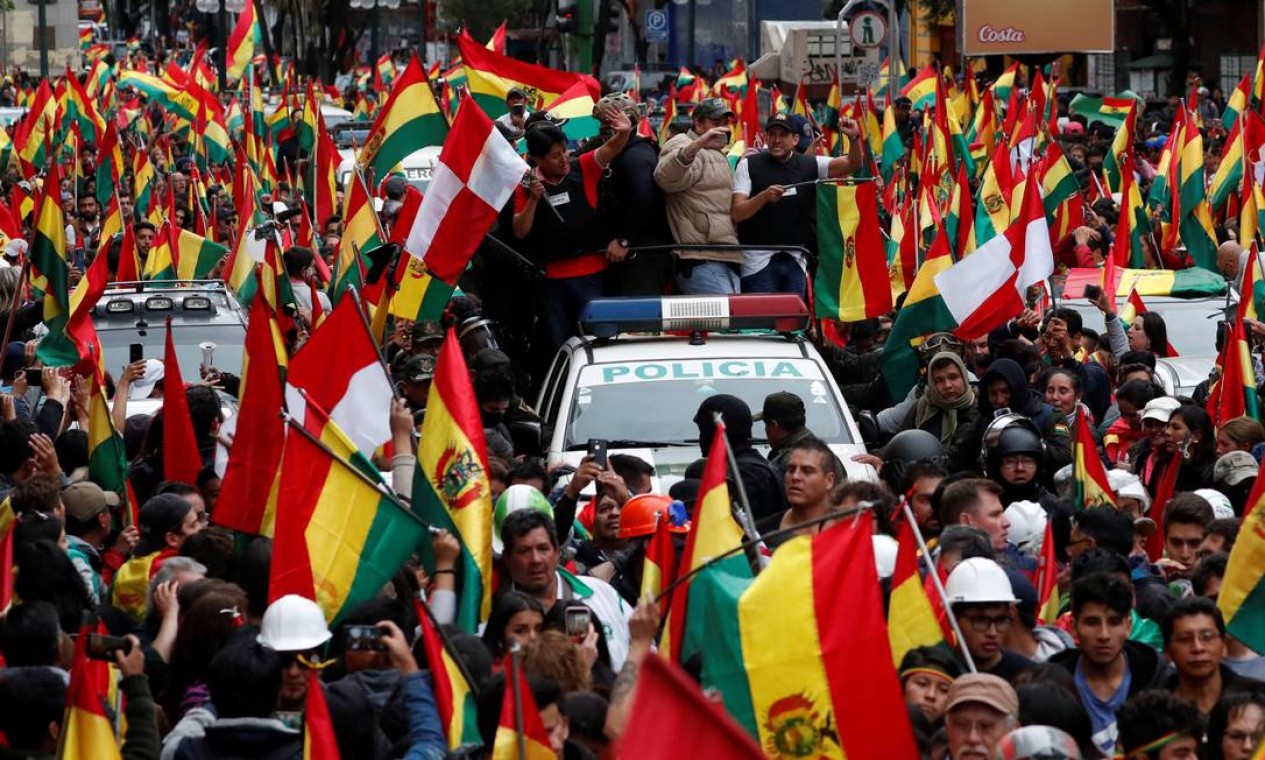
(715, 533)
(410, 120)
(1048, 580)
(490, 76)
(1195, 225)
(658, 569)
(818, 669)
(921, 90)
(852, 279)
(576, 106)
(86, 729)
(450, 488)
(341, 535)
(1238, 102)
(1089, 477)
(1234, 392)
(454, 697)
(107, 462)
(75, 343)
(361, 232)
(1242, 597)
(50, 270)
(519, 701)
(1228, 178)
(911, 620)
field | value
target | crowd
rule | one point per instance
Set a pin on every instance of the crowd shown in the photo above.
(1125, 654)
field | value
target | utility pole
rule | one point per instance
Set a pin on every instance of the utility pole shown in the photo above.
(43, 25)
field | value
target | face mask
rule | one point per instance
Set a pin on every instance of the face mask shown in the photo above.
(491, 419)
(518, 110)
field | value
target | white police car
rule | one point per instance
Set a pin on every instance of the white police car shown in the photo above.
(644, 365)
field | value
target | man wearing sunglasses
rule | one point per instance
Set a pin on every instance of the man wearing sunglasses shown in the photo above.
(984, 603)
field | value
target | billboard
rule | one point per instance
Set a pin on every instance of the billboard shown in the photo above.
(1012, 27)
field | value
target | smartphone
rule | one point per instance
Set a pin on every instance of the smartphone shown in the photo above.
(578, 620)
(80, 263)
(1093, 292)
(34, 377)
(597, 450)
(102, 647)
(135, 353)
(364, 638)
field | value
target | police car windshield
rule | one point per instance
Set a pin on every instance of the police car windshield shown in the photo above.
(656, 401)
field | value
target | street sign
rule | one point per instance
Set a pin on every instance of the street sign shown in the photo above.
(656, 26)
(868, 29)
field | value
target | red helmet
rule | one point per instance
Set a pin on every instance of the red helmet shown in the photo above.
(642, 512)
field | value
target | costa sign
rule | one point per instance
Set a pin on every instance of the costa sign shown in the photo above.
(1012, 27)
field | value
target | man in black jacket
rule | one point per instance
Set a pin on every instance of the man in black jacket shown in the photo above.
(1107, 668)
(632, 206)
(761, 481)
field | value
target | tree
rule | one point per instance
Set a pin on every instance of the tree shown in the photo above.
(481, 17)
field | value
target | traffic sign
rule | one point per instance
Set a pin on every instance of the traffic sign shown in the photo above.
(656, 26)
(868, 29)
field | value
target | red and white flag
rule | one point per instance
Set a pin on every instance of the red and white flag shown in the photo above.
(474, 179)
(341, 372)
(986, 288)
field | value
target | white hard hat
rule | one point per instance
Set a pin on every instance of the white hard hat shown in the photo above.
(979, 581)
(1221, 507)
(1027, 525)
(293, 624)
(885, 548)
(1126, 484)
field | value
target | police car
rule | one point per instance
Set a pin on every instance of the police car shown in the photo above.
(643, 366)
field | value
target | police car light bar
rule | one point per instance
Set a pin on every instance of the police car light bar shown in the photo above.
(779, 312)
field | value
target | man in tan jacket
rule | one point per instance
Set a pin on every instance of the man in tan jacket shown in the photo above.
(698, 186)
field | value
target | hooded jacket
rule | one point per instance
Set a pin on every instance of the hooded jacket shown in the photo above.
(1025, 401)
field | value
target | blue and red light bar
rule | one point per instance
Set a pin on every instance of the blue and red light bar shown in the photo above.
(778, 312)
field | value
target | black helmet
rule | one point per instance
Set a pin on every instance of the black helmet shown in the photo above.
(907, 448)
(1010, 434)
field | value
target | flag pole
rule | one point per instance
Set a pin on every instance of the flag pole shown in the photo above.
(516, 671)
(17, 296)
(744, 506)
(935, 579)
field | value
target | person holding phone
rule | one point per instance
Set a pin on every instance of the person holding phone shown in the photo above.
(516, 102)
(694, 173)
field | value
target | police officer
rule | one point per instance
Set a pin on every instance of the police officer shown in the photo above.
(768, 207)
(414, 384)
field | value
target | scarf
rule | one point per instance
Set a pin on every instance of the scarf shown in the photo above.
(932, 403)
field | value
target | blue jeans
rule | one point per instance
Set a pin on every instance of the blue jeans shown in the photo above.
(564, 299)
(708, 278)
(782, 275)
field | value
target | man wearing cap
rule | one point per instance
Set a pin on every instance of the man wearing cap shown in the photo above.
(516, 102)
(569, 240)
(414, 385)
(979, 710)
(426, 337)
(784, 417)
(983, 601)
(88, 523)
(698, 185)
(1234, 474)
(167, 520)
(1155, 416)
(775, 203)
(633, 207)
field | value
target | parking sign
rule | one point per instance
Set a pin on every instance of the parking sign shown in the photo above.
(656, 26)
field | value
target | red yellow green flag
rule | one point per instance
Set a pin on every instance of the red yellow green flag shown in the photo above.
(715, 533)
(852, 282)
(911, 620)
(408, 121)
(658, 569)
(341, 534)
(531, 734)
(1048, 580)
(50, 271)
(1242, 597)
(319, 742)
(86, 729)
(458, 711)
(450, 488)
(181, 459)
(792, 678)
(1092, 486)
(1234, 392)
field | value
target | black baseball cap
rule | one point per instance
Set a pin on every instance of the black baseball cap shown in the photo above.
(781, 121)
(780, 407)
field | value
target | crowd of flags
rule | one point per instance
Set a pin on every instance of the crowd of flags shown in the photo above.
(959, 220)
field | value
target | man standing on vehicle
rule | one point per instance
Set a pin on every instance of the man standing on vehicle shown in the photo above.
(775, 203)
(633, 207)
(569, 239)
(695, 176)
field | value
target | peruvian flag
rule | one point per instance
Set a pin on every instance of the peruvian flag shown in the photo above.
(987, 287)
(476, 175)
